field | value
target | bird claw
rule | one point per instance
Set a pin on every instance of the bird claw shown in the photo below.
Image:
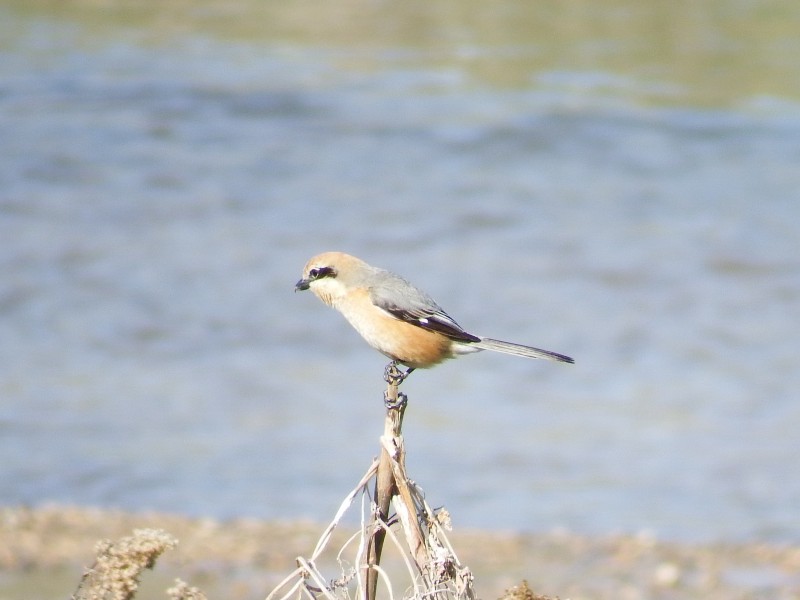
(395, 403)
(393, 375)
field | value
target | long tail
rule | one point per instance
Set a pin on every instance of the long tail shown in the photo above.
(520, 350)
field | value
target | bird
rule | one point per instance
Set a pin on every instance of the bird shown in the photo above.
(397, 318)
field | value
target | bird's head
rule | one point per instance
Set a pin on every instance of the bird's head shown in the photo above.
(330, 275)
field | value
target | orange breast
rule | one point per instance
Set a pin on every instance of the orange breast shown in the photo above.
(399, 340)
(418, 348)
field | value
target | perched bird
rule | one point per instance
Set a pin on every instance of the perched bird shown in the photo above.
(395, 317)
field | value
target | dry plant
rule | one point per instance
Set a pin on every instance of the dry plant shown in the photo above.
(118, 566)
(116, 570)
(523, 592)
(433, 570)
(183, 591)
(432, 567)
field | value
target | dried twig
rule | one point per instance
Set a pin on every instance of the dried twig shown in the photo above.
(431, 563)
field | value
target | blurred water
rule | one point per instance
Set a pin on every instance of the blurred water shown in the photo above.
(159, 195)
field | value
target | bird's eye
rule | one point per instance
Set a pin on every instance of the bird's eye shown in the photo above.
(319, 273)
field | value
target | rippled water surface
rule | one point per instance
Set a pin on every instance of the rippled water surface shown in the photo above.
(618, 185)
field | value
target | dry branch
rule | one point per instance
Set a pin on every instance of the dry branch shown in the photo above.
(433, 568)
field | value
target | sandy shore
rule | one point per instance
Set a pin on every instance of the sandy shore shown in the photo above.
(44, 551)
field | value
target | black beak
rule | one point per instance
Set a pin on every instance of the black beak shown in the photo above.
(302, 285)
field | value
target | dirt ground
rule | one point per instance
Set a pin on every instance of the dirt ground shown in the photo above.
(44, 552)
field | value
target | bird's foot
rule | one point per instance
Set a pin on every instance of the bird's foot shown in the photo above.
(395, 403)
(393, 375)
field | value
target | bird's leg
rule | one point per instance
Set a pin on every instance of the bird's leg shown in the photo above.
(398, 403)
(393, 375)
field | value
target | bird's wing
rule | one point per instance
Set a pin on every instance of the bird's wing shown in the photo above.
(405, 302)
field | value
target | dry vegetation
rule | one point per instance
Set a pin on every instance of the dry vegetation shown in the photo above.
(46, 552)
